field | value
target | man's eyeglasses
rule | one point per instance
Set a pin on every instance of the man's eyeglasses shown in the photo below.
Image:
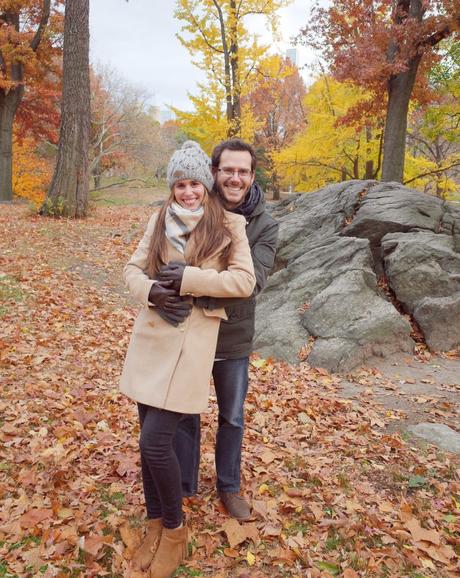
(229, 172)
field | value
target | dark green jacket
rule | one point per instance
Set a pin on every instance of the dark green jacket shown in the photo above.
(236, 334)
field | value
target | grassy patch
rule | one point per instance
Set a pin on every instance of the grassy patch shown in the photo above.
(183, 571)
(10, 290)
(130, 194)
(334, 541)
(296, 528)
(24, 542)
(4, 572)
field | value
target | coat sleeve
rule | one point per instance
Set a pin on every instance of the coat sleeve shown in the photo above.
(138, 283)
(263, 257)
(238, 280)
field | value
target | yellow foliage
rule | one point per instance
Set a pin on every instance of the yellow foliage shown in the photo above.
(327, 151)
(433, 154)
(434, 180)
(31, 172)
(216, 36)
(208, 124)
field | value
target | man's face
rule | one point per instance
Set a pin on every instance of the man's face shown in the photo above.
(233, 177)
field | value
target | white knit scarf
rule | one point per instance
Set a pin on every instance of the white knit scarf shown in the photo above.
(180, 222)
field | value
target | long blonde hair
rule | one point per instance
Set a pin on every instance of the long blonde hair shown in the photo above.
(210, 233)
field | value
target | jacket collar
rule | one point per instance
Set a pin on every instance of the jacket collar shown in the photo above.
(253, 204)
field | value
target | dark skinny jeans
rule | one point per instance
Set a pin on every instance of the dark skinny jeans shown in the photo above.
(161, 475)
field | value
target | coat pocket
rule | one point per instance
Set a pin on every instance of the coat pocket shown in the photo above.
(220, 313)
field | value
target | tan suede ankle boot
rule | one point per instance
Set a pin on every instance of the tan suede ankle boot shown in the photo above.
(144, 554)
(171, 552)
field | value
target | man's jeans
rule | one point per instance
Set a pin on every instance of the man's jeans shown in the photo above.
(231, 384)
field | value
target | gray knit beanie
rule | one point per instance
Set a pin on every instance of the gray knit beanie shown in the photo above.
(190, 162)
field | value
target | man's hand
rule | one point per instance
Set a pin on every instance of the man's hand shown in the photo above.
(202, 302)
(168, 304)
(172, 272)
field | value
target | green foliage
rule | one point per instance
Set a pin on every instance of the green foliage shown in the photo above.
(447, 69)
(4, 572)
(54, 207)
(333, 569)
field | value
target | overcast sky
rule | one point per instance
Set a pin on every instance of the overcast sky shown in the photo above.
(138, 39)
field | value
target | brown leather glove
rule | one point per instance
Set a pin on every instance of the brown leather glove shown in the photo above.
(172, 272)
(169, 304)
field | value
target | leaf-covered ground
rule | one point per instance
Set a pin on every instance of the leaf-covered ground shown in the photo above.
(334, 493)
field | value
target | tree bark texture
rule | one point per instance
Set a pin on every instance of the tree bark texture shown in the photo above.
(235, 126)
(9, 102)
(394, 141)
(68, 193)
(8, 106)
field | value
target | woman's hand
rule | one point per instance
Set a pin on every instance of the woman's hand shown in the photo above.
(172, 272)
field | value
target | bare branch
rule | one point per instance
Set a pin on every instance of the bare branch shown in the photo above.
(315, 163)
(117, 184)
(43, 23)
(433, 172)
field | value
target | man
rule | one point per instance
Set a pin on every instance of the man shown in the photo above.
(233, 167)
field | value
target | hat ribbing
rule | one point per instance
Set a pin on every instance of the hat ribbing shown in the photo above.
(190, 162)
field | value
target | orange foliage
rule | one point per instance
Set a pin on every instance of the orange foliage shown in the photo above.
(32, 171)
(31, 62)
(370, 41)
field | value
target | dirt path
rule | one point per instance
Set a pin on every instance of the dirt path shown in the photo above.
(414, 389)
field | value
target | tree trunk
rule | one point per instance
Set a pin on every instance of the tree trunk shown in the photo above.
(8, 106)
(97, 180)
(369, 171)
(394, 140)
(235, 127)
(369, 168)
(275, 183)
(68, 193)
(226, 54)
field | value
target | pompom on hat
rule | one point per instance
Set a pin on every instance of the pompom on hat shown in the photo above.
(190, 162)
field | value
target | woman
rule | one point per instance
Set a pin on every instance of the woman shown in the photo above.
(193, 248)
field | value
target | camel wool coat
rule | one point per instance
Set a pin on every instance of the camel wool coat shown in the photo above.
(170, 367)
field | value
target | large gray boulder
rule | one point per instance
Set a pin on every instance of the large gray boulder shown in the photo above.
(423, 270)
(343, 252)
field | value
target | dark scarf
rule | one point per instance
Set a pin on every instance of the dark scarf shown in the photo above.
(250, 202)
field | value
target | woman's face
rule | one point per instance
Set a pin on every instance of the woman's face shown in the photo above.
(188, 193)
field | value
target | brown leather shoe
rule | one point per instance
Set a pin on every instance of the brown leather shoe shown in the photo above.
(143, 556)
(171, 552)
(236, 505)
